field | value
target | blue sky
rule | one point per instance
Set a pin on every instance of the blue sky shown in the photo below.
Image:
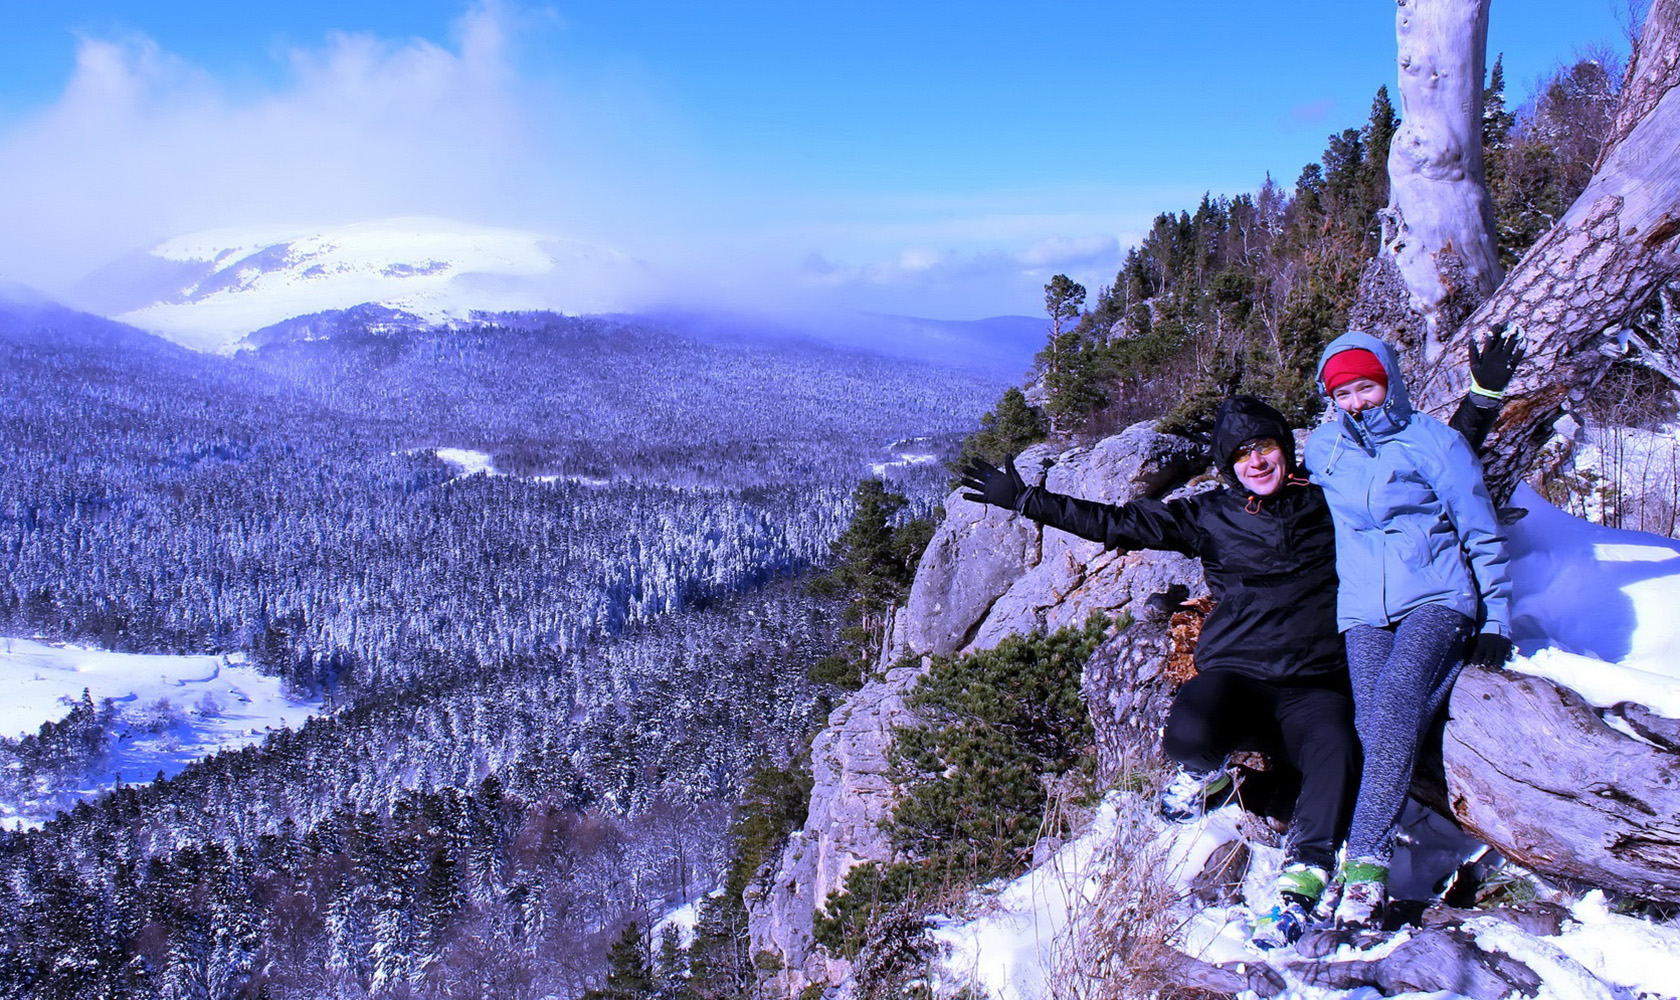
(938, 158)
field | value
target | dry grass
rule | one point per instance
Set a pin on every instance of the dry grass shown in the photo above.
(1116, 944)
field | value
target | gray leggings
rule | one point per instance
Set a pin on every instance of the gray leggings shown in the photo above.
(1402, 675)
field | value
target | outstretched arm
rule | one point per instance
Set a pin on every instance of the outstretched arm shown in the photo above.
(1491, 368)
(1141, 524)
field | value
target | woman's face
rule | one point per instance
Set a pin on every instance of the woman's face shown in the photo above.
(1359, 395)
(1258, 463)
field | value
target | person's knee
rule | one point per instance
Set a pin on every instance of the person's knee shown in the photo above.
(1192, 740)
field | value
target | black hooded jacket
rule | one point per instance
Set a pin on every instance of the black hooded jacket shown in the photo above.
(1269, 561)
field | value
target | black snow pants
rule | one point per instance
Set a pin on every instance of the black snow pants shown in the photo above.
(1308, 728)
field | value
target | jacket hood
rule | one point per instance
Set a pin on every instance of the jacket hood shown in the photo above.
(1396, 411)
(1243, 418)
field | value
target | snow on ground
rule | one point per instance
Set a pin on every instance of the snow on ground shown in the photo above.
(1010, 948)
(467, 462)
(905, 454)
(1595, 609)
(1603, 594)
(684, 921)
(903, 460)
(1642, 468)
(170, 710)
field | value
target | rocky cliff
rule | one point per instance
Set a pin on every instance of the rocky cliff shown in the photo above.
(985, 575)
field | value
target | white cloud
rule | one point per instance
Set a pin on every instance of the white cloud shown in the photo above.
(961, 285)
(141, 145)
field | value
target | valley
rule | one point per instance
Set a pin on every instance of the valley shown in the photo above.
(551, 668)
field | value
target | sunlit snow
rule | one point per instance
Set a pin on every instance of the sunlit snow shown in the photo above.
(170, 710)
(468, 462)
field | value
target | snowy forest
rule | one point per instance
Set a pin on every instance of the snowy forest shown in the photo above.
(612, 635)
(575, 695)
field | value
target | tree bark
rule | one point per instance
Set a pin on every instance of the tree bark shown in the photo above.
(1438, 227)
(1533, 771)
(1616, 246)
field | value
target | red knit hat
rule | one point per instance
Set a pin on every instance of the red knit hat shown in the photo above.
(1354, 363)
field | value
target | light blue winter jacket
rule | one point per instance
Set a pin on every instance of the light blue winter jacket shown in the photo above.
(1414, 522)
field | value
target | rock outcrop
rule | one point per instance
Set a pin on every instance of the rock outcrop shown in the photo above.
(985, 575)
(851, 795)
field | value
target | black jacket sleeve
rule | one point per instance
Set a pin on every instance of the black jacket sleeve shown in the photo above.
(1474, 418)
(1140, 524)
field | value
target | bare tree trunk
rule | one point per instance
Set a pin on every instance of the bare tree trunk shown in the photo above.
(1615, 247)
(1438, 258)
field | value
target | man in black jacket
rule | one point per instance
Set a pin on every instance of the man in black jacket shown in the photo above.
(1271, 665)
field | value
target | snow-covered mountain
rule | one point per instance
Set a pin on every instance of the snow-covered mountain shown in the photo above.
(207, 290)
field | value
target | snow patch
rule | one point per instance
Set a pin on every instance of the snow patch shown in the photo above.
(903, 460)
(467, 462)
(1635, 954)
(170, 710)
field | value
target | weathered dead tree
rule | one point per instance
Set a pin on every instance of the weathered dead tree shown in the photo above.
(1611, 252)
(1438, 257)
(1534, 771)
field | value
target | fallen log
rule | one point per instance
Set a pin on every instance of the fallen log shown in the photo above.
(1532, 770)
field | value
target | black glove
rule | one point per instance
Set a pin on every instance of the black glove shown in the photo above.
(1489, 650)
(999, 487)
(1492, 366)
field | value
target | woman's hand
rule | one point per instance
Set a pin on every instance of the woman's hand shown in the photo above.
(1489, 650)
(1492, 366)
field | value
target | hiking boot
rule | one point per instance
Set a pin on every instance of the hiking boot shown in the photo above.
(1364, 896)
(1299, 886)
(1190, 794)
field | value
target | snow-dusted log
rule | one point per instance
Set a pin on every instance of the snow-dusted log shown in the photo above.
(1438, 227)
(1612, 250)
(1532, 770)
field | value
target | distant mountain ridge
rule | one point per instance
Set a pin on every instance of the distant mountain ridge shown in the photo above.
(207, 290)
(237, 288)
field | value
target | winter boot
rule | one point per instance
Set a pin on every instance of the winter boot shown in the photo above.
(1364, 899)
(1190, 794)
(1298, 888)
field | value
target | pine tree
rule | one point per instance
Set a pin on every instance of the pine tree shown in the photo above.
(1009, 427)
(629, 969)
(1067, 362)
(1378, 135)
(876, 564)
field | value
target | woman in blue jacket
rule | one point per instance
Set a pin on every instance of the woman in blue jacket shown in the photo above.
(1423, 585)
